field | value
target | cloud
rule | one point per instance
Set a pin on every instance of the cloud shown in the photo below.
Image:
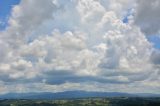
(25, 18)
(147, 16)
(155, 57)
(78, 45)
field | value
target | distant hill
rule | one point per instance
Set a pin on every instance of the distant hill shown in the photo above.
(71, 94)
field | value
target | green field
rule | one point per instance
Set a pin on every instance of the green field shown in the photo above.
(114, 101)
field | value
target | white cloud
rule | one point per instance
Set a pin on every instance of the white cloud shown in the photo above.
(85, 44)
(4, 67)
(26, 17)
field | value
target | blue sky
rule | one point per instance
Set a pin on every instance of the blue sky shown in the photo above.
(5, 10)
(155, 40)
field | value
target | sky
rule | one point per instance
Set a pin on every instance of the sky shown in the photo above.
(5, 10)
(90, 45)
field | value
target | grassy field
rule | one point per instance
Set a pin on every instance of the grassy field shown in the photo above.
(117, 101)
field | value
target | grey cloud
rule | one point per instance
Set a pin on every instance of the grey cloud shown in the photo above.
(72, 78)
(3, 51)
(147, 16)
(155, 57)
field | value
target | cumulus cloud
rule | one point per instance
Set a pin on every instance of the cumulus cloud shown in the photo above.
(58, 45)
(22, 21)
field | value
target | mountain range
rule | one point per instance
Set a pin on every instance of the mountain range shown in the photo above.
(72, 94)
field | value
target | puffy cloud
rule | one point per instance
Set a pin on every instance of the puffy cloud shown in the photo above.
(69, 44)
(146, 16)
(25, 18)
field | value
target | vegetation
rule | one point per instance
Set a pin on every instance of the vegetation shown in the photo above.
(115, 101)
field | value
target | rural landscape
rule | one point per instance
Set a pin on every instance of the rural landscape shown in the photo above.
(112, 101)
(79, 98)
